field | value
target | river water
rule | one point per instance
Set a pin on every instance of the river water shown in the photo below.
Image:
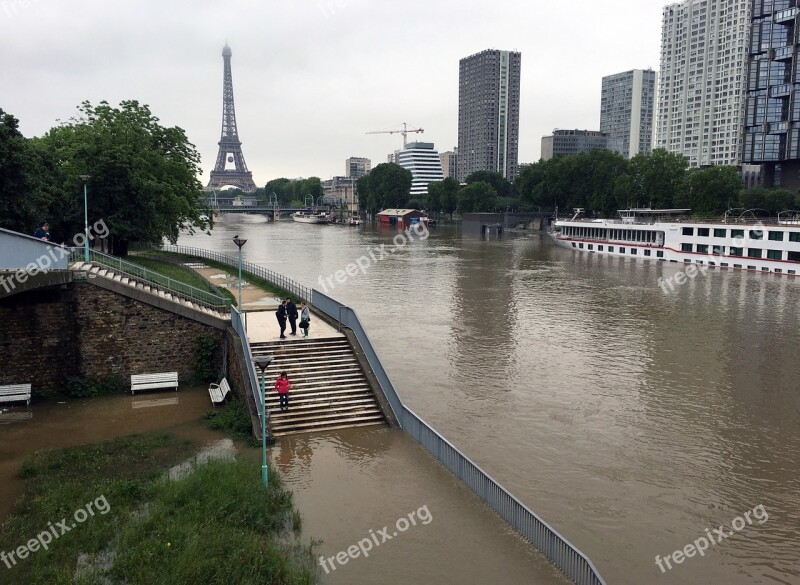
(630, 419)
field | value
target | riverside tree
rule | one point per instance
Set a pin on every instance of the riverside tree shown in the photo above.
(143, 175)
(387, 186)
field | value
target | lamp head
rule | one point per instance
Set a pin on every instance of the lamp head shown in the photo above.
(238, 241)
(263, 362)
(85, 178)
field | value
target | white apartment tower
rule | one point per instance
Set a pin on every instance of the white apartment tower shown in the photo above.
(627, 104)
(702, 82)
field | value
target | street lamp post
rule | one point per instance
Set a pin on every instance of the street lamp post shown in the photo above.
(239, 242)
(263, 363)
(85, 179)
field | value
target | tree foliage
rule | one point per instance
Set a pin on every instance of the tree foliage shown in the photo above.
(143, 182)
(477, 197)
(387, 186)
(294, 191)
(499, 183)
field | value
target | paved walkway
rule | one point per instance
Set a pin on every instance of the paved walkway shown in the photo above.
(260, 307)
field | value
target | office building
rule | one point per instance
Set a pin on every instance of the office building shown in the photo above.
(357, 167)
(772, 112)
(488, 113)
(701, 85)
(422, 159)
(449, 163)
(627, 104)
(566, 142)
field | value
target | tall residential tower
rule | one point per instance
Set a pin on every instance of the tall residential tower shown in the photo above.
(701, 86)
(627, 103)
(488, 113)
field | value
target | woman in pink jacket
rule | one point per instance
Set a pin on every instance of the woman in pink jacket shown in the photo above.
(282, 386)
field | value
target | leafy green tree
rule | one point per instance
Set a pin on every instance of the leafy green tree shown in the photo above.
(362, 189)
(773, 200)
(435, 195)
(477, 197)
(711, 190)
(389, 187)
(143, 175)
(450, 189)
(25, 179)
(658, 178)
(278, 186)
(499, 183)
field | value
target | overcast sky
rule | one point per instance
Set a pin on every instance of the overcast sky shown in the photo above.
(311, 77)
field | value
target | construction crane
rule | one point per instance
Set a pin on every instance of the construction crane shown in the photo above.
(405, 132)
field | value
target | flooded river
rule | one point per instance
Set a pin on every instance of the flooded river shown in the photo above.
(631, 420)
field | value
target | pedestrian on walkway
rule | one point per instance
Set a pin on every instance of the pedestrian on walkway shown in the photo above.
(281, 315)
(282, 387)
(291, 313)
(305, 318)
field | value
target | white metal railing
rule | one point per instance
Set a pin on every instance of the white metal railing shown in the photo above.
(238, 324)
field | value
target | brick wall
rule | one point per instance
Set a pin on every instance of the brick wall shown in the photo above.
(79, 329)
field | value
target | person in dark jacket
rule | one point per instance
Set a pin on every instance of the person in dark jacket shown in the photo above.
(291, 313)
(281, 315)
(41, 232)
(282, 387)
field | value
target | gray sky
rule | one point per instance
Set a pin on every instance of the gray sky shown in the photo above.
(311, 77)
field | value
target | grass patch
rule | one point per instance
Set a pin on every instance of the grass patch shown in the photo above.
(234, 419)
(180, 273)
(217, 525)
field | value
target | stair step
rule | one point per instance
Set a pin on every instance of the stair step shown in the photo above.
(317, 401)
(343, 423)
(329, 428)
(295, 413)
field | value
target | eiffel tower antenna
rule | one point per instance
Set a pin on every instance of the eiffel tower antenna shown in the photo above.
(230, 147)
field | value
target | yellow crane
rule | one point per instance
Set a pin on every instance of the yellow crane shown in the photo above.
(405, 132)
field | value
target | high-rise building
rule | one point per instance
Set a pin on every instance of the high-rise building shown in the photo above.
(566, 142)
(488, 113)
(772, 115)
(701, 85)
(357, 167)
(423, 161)
(627, 103)
(449, 162)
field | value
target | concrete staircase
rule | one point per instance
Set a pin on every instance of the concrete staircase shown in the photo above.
(94, 270)
(329, 389)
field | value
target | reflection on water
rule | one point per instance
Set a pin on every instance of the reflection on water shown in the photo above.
(630, 419)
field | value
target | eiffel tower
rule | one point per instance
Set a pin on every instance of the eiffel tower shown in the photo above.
(230, 147)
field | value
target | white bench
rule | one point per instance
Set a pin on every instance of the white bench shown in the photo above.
(218, 392)
(15, 393)
(154, 381)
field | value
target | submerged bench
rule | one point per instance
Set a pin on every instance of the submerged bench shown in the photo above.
(218, 392)
(154, 381)
(15, 393)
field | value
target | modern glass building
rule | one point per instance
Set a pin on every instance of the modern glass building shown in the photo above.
(422, 159)
(772, 115)
(627, 104)
(701, 85)
(488, 113)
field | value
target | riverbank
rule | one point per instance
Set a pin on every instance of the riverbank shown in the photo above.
(112, 512)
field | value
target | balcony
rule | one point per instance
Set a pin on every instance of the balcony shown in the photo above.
(783, 53)
(777, 91)
(784, 15)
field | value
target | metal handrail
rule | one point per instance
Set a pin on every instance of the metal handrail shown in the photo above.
(287, 284)
(237, 322)
(154, 279)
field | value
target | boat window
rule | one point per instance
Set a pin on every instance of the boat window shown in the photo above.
(702, 248)
(752, 268)
(599, 248)
(719, 233)
(591, 246)
(611, 248)
(791, 271)
(573, 244)
(634, 251)
(687, 231)
(793, 256)
(710, 263)
(580, 245)
(737, 265)
(776, 236)
(764, 269)
(686, 247)
(775, 254)
(737, 233)
(754, 252)
(622, 250)
(794, 236)
(756, 235)
(718, 249)
(647, 252)
(778, 270)
(702, 232)
(723, 264)
(735, 251)
(659, 253)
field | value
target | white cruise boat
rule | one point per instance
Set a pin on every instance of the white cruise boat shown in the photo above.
(738, 241)
(309, 216)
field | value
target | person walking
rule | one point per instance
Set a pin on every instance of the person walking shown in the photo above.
(282, 387)
(281, 315)
(291, 313)
(305, 318)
